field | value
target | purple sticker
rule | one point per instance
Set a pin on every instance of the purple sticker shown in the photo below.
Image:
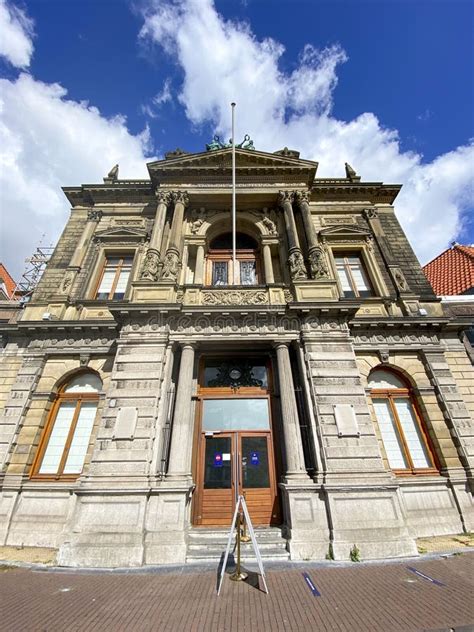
(218, 461)
(254, 458)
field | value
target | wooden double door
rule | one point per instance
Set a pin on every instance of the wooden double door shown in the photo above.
(233, 464)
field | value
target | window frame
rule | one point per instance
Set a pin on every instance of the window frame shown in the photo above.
(121, 255)
(404, 393)
(226, 255)
(60, 398)
(346, 254)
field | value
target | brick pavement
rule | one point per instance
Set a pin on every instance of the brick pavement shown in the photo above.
(368, 597)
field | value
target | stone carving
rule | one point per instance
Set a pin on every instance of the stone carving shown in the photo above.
(151, 265)
(113, 173)
(317, 264)
(411, 339)
(350, 173)
(384, 356)
(296, 265)
(66, 284)
(289, 153)
(334, 221)
(302, 197)
(234, 297)
(268, 223)
(175, 154)
(285, 196)
(180, 196)
(94, 216)
(288, 296)
(162, 196)
(370, 213)
(198, 218)
(171, 265)
(400, 280)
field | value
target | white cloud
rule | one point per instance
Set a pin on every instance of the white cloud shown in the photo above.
(48, 141)
(162, 97)
(16, 30)
(223, 61)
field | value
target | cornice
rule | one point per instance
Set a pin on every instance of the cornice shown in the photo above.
(335, 189)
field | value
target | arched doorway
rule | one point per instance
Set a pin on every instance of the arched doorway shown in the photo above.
(234, 448)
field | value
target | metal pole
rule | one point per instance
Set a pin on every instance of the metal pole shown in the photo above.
(234, 264)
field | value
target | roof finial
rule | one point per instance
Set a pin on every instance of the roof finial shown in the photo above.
(351, 174)
(112, 176)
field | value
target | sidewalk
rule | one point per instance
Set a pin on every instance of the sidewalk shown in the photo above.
(386, 597)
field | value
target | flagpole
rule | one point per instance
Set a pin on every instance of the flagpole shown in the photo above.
(234, 262)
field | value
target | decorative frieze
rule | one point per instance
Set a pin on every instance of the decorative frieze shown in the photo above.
(234, 297)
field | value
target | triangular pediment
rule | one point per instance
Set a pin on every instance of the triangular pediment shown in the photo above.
(121, 233)
(218, 163)
(345, 230)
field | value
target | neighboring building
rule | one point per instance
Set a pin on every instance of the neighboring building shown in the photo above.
(146, 388)
(451, 275)
(452, 272)
(7, 284)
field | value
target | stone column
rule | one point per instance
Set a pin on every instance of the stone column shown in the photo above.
(93, 217)
(318, 266)
(199, 270)
(268, 264)
(151, 262)
(172, 261)
(179, 466)
(295, 466)
(295, 258)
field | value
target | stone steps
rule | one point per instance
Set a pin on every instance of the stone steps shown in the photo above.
(208, 545)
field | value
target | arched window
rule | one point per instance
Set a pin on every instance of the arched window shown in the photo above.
(64, 444)
(220, 265)
(404, 439)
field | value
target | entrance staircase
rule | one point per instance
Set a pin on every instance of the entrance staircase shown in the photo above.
(208, 545)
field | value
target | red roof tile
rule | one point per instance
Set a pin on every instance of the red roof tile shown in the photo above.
(452, 272)
(5, 278)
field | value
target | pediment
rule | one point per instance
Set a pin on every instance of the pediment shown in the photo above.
(121, 233)
(345, 230)
(217, 164)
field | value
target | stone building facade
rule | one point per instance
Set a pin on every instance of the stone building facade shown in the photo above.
(152, 376)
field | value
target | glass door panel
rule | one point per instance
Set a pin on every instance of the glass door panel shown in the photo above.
(218, 463)
(255, 473)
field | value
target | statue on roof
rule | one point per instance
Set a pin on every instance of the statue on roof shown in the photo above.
(216, 143)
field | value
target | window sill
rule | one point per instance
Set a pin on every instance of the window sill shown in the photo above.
(415, 473)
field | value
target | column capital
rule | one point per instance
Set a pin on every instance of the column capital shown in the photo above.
(302, 198)
(370, 213)
(163, 197)
(280, 343)
(94, 216)
(285, 196)
(180, 196)
(188, 344)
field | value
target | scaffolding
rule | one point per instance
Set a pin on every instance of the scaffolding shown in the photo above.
(34, 269)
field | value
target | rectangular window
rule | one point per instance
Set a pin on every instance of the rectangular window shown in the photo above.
(219, 273)
(248, 273)
(115, 276)
(353, 276)
(235, 414)
(69, 438)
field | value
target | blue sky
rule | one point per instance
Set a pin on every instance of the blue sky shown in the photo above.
(385, 85)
